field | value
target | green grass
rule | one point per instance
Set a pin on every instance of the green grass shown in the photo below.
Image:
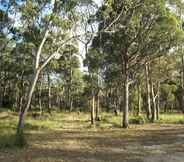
(175, 118)
(65, 120)
(139, 119)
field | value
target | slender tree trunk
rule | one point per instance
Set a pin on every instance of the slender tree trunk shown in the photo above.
(4, 87)
(158, 102)
(125, 123)
(49, 88)
(148, 106)
(37, 69)
(97, 100)
(139, 100)
(92, 99)
(21, 91)
(70, 87)
(40, 94)
(107, 98)
(117, 108)
(182, 85)
(27, 102)
(0, 83)
(153, 109)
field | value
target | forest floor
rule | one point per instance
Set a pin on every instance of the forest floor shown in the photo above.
(77, 142)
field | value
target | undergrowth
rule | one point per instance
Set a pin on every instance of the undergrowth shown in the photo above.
(65, 120)
(139, 119)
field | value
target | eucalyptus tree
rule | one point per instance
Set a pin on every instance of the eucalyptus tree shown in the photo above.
(77, 88)
(150, 31)
(8, 37)
(24, 61)
(177, 7)
(160, 70)
(71, 63)
(95, 63)
(66, 70)
(111, 22)
(169, 90)
(64, 17)
(113, 87)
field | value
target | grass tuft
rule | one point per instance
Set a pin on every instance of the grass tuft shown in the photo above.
(20, 140)
(139, 120)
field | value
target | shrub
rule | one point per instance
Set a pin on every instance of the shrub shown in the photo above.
(5, 142)
(117, 123)
(20, 139)
(139, 120)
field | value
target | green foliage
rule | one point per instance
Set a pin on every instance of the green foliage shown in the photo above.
(20, 140)
(117, 123)
(10, 140)
(92, 126)
(139, 120)
(170, 97)
(6, 142)
(172, 118)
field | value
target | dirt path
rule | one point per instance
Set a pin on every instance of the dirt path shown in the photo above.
(141, 143)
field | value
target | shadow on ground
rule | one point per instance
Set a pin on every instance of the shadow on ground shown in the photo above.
(151, 142)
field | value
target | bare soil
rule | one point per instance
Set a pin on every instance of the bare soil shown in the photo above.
(140, 143)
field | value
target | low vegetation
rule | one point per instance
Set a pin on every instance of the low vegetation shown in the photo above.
(65, 136)
(64, 120)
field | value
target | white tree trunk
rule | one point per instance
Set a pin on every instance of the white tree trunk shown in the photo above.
(148, 106)
(125, 123)
(97, 100)
(153, 101)
(92, 100)
(27, 103)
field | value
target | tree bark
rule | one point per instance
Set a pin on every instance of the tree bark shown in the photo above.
(24, 110)
(125, 123)
(49, 88)
(97, 100)
(182, 85)
(40, 94)
(139, 100)
(37, 69)
(148, 106)
(153, 108)
(107, 98)
(70, 86)
(4, 87)
(158, 102)
(92, 99)
(21, 92)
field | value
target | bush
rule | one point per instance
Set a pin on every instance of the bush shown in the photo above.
(140, 120)
(14, 140)
(20, 140)
(5, 142)
(117, 123)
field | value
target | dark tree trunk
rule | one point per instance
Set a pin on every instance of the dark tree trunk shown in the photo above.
(107, 98)
(49, 88)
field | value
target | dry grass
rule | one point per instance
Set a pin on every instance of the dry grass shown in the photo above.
(65, 137)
